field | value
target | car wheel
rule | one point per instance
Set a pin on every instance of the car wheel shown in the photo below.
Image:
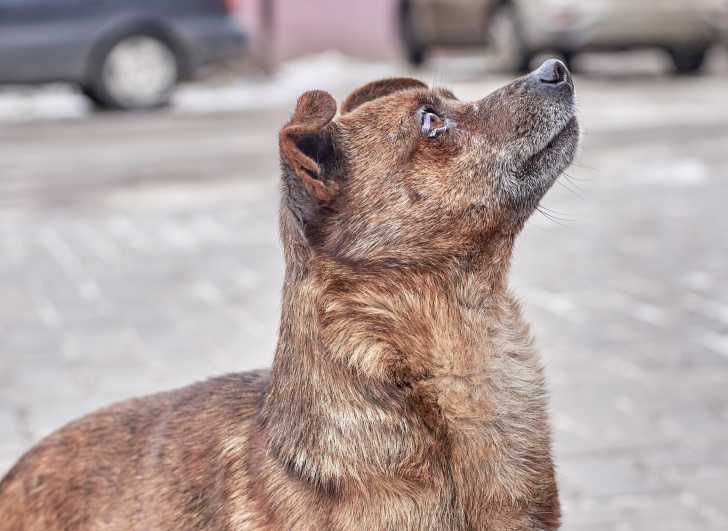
(568, 57)
(91, 95)
(507, 50)
(415, 50)
(137, 71)
(688, 60)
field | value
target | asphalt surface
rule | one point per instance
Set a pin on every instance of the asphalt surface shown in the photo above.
(140, 253)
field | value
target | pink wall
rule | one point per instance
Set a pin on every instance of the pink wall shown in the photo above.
(366, 28)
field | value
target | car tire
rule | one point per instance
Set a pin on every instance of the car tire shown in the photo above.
(507, 49)
(91, 95)
(137, 70)
(415, 50)
(688, 61)
(568, 57)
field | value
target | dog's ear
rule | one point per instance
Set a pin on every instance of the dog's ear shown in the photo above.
(307, 155)
(379, 89)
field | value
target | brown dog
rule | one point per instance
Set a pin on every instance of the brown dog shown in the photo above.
(405, 393)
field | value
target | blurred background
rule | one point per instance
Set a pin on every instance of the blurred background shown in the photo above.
(139, 247)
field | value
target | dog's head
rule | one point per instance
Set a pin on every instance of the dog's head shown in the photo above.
(410, 173)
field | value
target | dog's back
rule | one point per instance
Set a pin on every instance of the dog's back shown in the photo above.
(160, 462)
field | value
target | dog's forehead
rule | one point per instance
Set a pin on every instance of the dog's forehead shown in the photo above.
(395, 102)
(391, 88)
(444, 93)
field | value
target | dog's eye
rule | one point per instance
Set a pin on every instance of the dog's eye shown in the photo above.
(432, 124)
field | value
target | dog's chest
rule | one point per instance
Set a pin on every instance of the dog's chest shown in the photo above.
(489, 387)
(478, 392)
(483, 368)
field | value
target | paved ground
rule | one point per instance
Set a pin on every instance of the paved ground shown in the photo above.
(139, 253)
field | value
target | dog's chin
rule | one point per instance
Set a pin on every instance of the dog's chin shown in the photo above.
(540, 171)
(551, 160)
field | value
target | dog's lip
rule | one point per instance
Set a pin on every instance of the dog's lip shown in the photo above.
(540, 165)
(570, 128)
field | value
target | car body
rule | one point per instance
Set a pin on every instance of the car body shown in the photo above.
(574, 25)
(521, 29)
(428, 24)
(44, 41)
(718, 17)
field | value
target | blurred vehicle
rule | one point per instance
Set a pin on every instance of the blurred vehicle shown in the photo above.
(515, 31)
(126, 54)
(718, 16)
(428, 24)
(520, 29)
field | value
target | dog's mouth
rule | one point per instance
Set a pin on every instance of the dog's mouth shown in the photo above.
(569, 134)
(555, 156)
(538, 172)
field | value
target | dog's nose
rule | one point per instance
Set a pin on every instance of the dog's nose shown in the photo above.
(553, 74)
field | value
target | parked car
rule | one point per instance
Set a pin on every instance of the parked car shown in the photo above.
(524, 28)
(517, 30)
(429, 24)
(126, 54)
(718, 16)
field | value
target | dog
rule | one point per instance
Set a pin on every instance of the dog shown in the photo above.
(405, 392)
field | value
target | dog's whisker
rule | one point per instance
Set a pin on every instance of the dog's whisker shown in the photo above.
(572, 187)
(581, 165)
(554, 217)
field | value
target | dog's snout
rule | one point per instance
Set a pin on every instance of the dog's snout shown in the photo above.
(552, 75)
(553, 72)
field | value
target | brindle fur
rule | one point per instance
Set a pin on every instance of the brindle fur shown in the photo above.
(405, 392)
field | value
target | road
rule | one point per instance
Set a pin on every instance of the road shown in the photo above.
(140, 253)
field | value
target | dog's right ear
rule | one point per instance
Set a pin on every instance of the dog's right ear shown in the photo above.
(307, 155)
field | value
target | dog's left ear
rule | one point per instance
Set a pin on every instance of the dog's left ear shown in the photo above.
(307, 156)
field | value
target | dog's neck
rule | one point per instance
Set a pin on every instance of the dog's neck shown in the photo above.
(379, 371)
